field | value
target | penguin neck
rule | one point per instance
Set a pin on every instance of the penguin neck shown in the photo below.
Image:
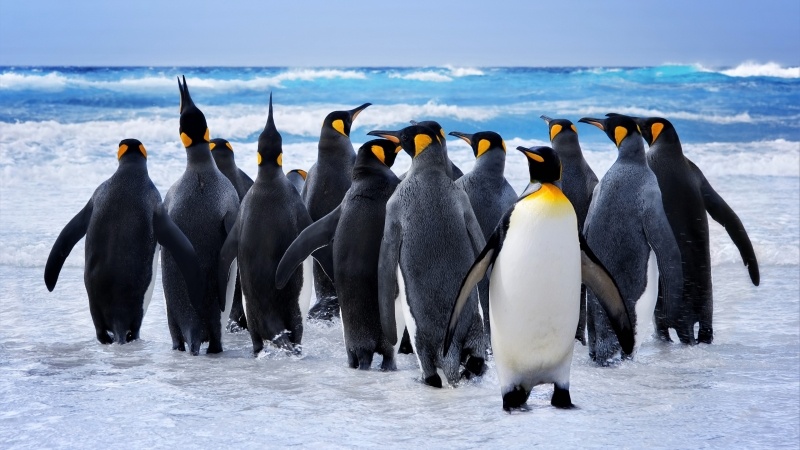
(567, 147)
(367, 167)
(132, 163)
(268, 171)
(199, 156)
(225, 162)
(492, 162)
(430, 158)
(632, 150)
(335, 146)
(668, 146)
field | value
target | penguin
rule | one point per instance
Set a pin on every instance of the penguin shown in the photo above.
(271, 216)
(577, 184)
(124, 223)
(452, 169)
(688, 196)
(430, 238)
(539, 259)
(222, 151)
(203, 203)
(355, 229)
(298, 178)
(490, 194)
(627, 229)
(326, 183)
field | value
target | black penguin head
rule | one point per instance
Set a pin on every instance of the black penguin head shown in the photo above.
(560, 127)
(302, 173)
(341, 121)
(414, 139)
(219, 145)
(482, 141)
(653, 128)
(616, 126)
(128, 147)
(270, 144)
(193, 126)
(383, 150)
(544, 165)
(434, 126)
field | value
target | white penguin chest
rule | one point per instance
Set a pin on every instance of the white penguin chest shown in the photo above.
(535, 286)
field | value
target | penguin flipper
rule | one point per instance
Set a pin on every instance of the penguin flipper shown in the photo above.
(668, 257)
(313, 237)
(595, 275)
(169, 236)
(722, 213)
(227, 268)
(388, 264)
(69, 236)
(482, 263)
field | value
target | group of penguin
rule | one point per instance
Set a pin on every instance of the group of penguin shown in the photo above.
(456, 263)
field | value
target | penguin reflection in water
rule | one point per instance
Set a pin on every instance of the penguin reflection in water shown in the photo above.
(538, 261)
(124, 223)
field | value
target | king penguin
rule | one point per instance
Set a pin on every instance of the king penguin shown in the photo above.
(452, 169)
(628, 230)
(355, 230)
(270, 218)
(577, 184)
(326, 183)
(539, 260)
(222, 151)
(298, 178)
(688, 196)
(203, 203)
(490, 194)
(124, 223)
(430, 238)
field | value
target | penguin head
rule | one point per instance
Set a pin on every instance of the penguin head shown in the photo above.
(482, 141)
(341, 121)
(653, 128)
(383, 150)
(270, 144)
(414, 139)
(131, 148)
(617, 127)
(193, 126)
(219, 145)
(434, 126)
(544, 165)
(300, 172)
(560, 128)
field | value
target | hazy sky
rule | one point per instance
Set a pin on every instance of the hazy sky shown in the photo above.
(398, 33)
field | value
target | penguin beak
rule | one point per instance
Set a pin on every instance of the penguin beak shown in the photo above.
(599, 123)
(464, 136)
(393, 136)
(546, 119)
(355, 112)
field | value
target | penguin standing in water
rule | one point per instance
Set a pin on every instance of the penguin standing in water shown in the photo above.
(326, 183)
(539, 260)
(298, 179)
(222, 151)
(355, 229)
(430, 238)
(270, 218)
(627, 229)
(577, 184)
(124, 223)
(687, 196)
(203, 203)
(489, 192)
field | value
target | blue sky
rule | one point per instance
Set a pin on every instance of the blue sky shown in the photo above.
(400, 33)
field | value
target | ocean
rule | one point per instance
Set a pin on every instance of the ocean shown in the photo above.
(60, 388)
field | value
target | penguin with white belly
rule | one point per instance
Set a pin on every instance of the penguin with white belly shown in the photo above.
(628, 230)
(538, 262)
(124, 223)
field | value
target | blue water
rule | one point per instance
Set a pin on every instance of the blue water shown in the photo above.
(59, 129)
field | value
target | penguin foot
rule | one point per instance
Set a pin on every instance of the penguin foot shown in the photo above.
(515, 399)
(434, 381)
(561, 398)
(214, 348)
(474, 366)
(179, 347)
(388, 364)
(581, 338)
(325, 309)
(235, 326)
(104, 337)
(705, 336)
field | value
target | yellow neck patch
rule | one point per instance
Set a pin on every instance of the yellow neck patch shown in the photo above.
(554, 130)
(280, 160)
(483, 145)
(619, 134)
(377, 150)
(656, 129)
(397, 149)
(258, 155)
(187, 141)
(122, 149)
(338, 125)
(534, 157)
(549, 193)
(421, 142)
